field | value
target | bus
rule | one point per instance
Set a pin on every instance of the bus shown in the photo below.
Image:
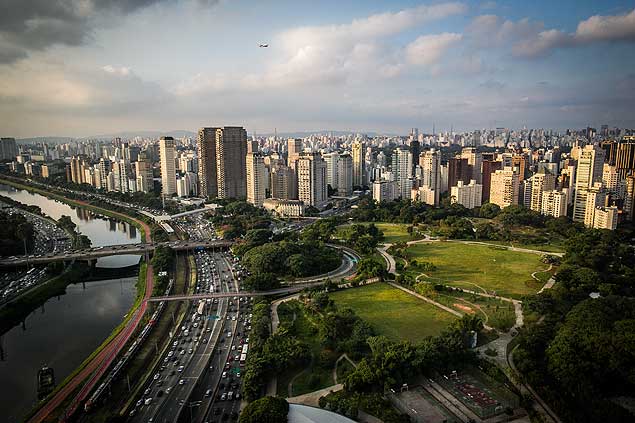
(245, 347)
(201, 307)
(243, 358)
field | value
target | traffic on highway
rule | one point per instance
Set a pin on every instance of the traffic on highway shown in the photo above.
(198, 375)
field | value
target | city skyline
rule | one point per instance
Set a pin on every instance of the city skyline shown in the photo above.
(85, 68)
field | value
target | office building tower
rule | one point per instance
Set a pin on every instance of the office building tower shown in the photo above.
(524, 193)
(77, 169)
(281, 181)
(469, 196)
(605, 218)
(331, 168)
(143, 174)
(594, 197)
(294, 149)
(384, 191)
(105, 167)
(540, 182)
(255, 179)
(489, 167)
(8, 149)
(613, 183)
(312, 187)
(458, 170)
(231, 152)
(120, 172)
(430, 162)
(357, 153)
(505, 186)
(415, 148)
(167, 153)
(625, 156)
(554, 203)
(252, 146)
(207, 179)
(588, 172)
(519, 162)
(344, 175)
(610, 151)
(402, 171)
(474, 160)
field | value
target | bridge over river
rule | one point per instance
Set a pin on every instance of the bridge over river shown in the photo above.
(112, 250)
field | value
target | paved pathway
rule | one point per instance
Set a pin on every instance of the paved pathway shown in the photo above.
(313, 398)
(342, 357)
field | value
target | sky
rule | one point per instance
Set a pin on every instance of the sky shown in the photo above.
(82, 68)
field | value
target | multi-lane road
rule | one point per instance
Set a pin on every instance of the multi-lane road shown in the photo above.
(191, 368)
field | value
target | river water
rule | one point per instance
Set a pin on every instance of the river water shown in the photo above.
(66, 329)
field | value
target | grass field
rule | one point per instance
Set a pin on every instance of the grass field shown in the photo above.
(478, 267)
(394, 313)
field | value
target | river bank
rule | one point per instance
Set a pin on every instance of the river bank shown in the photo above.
(102, 231)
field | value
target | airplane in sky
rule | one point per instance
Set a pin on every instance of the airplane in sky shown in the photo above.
(263, 45)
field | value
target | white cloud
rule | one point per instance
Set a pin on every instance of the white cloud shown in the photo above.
(607, 28)
(531, 39)
(428, 49)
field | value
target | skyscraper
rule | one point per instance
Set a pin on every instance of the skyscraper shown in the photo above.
(206, 144)
(402, 171)
(8, 149)
(489, 167)
(294, 148)
(143, 173)
(430, 173)
(357, 153)
(540, 182)
(474, 160)
(255, 178)
(458, 170)
(554, 203)
(415, 147)
(504, 188)
(231, 152)
(167, 153)
(625, 156)
(345, 175)
(331, 168)
(312, 187)
(588, 172)
(281, 180)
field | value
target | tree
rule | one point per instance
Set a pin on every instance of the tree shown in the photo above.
(489, 210)
(262, 282)
(265, 410)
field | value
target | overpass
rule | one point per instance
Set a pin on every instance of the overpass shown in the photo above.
(291, 289)
(112, 250)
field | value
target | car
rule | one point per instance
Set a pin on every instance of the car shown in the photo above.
(157, 376)
(147, 401)
(223, 397)
(224, 375)
(147, 391)
(167, 391)
(182, 382)
(208, 393)
(180, 369)
(139, 402)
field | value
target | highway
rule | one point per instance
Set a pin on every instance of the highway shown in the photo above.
(167, 393)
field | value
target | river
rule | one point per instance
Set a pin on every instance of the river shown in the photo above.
(66, 329)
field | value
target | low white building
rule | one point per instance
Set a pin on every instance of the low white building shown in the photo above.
(284, 208)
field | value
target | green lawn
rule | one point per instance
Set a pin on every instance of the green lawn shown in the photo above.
(478, 267)
(394, 313)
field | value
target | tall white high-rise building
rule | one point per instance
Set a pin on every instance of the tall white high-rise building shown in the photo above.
(402, 171)
(167, 152)
(554, 203)
(540, 182)
(504, 188)
(469, 196)
(588, 172)
(312, 187)
(594, 197)
(255, 179)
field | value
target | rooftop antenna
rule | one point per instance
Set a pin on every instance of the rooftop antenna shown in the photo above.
(275, 134)
(433, 129)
